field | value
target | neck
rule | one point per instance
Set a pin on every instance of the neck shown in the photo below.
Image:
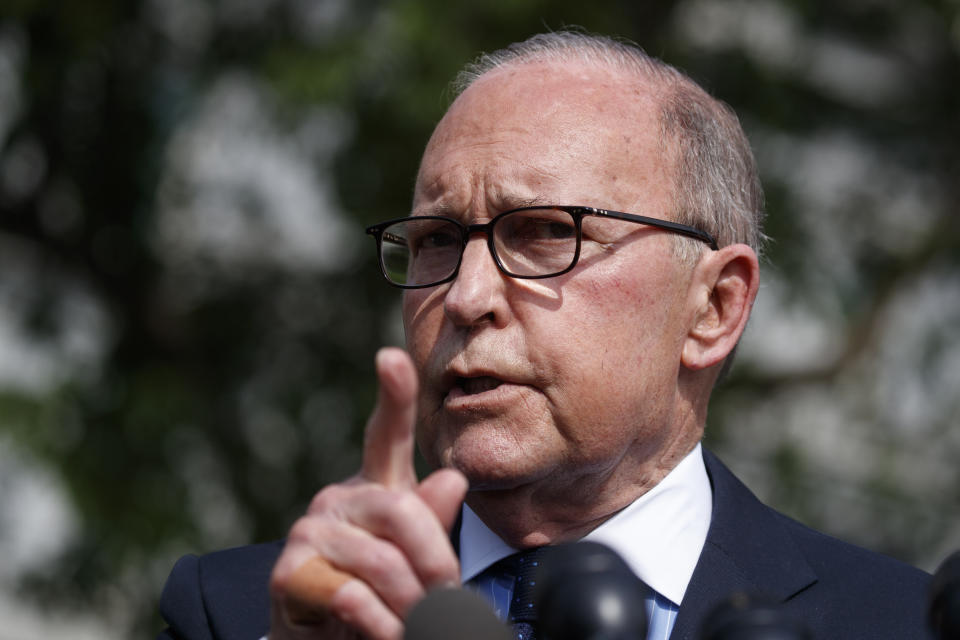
(551, 512)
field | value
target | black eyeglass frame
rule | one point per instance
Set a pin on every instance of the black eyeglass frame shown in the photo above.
(578, 213)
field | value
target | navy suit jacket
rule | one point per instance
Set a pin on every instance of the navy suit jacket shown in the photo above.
(839, 590)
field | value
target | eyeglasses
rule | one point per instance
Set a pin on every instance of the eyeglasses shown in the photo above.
(529, 242)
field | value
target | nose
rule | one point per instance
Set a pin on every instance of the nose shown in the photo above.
(478, 294)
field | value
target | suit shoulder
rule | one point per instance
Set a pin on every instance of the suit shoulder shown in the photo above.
(181, 602)
(832, 557)
(237, 562)
(207, 596)
(839, 589)
(827, 555)
(859, 593)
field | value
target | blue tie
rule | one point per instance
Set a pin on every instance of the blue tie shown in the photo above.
(523, 615)
(518, 571)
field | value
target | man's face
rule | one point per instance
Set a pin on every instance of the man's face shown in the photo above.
(567, 379)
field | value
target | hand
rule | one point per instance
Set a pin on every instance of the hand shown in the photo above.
(368, 548)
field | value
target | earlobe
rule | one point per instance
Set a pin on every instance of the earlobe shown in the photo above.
(723, 289)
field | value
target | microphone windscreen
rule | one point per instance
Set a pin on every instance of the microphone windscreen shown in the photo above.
(454, 613)
(944, 610)
(587, 591)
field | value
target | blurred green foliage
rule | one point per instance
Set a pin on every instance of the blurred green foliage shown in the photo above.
(224, 393)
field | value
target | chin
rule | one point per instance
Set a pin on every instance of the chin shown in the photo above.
(490, 469)
(491, 453)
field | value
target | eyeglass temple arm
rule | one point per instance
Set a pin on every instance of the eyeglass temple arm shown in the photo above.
(655, 222)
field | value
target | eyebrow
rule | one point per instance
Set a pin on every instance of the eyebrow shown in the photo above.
(505, 203)
(526, 202)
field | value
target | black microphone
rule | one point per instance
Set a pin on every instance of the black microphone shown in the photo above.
(744, 617)
(587, 592)
(944, 612)
(454, 613)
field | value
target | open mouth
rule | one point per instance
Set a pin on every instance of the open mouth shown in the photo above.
(471, 386)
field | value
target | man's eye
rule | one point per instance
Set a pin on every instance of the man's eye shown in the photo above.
(434, 239)
(437, 240)
(560, 231)
(533, 229)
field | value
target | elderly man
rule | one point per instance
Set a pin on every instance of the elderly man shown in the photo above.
(579, 264)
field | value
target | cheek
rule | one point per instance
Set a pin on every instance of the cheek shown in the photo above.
(409, 303)
(618, 358)
(611, 323)
(418, 322)
(640, 313)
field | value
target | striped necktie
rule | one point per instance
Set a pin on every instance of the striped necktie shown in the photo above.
(522, 567)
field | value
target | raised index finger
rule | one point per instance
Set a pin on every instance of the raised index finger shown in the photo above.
(389, 437)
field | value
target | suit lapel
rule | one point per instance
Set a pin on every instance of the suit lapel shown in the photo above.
(747, 549)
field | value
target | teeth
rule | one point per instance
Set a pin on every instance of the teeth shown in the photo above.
(478, 385)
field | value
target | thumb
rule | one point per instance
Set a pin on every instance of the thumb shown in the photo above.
(443, 491)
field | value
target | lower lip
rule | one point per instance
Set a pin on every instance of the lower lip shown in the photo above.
(504, 394)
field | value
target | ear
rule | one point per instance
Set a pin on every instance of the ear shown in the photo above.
(722, 291)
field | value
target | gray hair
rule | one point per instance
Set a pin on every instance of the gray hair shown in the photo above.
(717, 188)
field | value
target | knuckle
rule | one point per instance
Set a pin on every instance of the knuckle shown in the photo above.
(302, 530)
(311, 531)
(408, 503)
(399, 508)
(358, 607)
(383, 562)
(328, 498)
(440, 567)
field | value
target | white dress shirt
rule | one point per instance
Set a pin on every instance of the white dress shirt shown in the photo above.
(660, 535)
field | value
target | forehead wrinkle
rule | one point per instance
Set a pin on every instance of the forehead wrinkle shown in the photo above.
(485, 191)
(441, 195)
(523, 189)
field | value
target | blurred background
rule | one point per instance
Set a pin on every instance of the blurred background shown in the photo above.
(189, 308)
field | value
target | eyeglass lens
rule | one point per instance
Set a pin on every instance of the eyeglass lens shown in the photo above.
(531, 242)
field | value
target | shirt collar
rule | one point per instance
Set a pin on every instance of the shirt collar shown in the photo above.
(660, 535)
